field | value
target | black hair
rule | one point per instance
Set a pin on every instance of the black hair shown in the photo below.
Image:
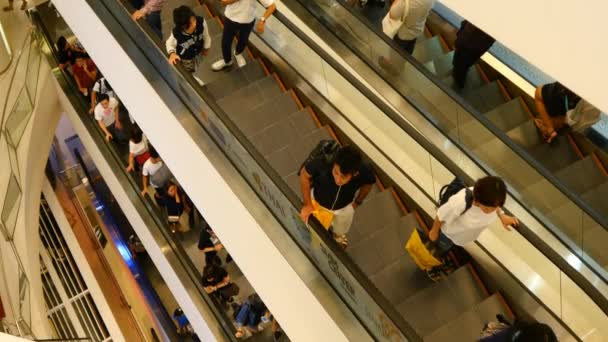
(153, 152)
(61, 43)
(136, 134)
(210, 271)
(79, 54)
(348, 159)
(181, 16)
(490, 191)
(532, 332)
(103, 97)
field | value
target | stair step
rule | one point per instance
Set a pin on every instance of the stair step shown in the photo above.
(287, 130)
(468, 325)
(556, 155)
(376, 212)
(382, 247)
(526, 135)
(241, 101)
(508, 115)
(442, 302)
(203, 70)
(428, 49)
(582, 176)
(542, 196)
(288, 159)
(474, 80)
(486, 97)
(400, 280)
(253, 120)
(443, 64)
(235, 79)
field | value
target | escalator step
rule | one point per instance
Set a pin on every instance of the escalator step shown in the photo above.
(288, 159)
(376, 212)
(443, 64)
(557, 155)
(203, 71)
(200, 11)
(442, 302)
(293, 181)
(474, 133)
(400, 280)
(253, 120)
(486, 97)
(287, 130)
(474, 80)
(430, 65)
(428, 49)
(508, 115)
(468, 325)
(254, 94)
(235, 79)
(582, 176)
(213, 25)
(597, 198)
(526, 135)
(541, 196)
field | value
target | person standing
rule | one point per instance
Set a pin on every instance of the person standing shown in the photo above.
(336, 188)
(239, 22)
(471, 43)
(189, 39)
(150, 10)
(85, 74)
(101, 86)
(414, 14)
(106, 114)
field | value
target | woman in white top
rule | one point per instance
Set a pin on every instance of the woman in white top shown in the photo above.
(414, 14)
(455, 224)
(138, 148)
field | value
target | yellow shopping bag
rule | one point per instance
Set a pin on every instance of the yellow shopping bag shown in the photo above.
(324, 216)
(420, 253)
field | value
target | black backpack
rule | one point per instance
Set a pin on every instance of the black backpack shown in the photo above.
(325, 149)
(453, 188)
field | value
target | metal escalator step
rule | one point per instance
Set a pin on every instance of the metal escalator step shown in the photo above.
(442, 302)
(253, 120)
(376, 212)
(428, 49)
(288, 159)
(555, 156)
(213, 25)
(430, 65)
(486, 97)
(400, 280)
(469, 324)
(443, 64)
(235, 79)
(474, 80)
(543, 196)
(526, 135)
(597, 198)
(508, 115)
(203, 70)
(382, 247)
(287, 130)
(200, 11)
(254, 94)
(582, 176)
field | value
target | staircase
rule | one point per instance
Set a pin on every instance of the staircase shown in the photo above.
(284, 131)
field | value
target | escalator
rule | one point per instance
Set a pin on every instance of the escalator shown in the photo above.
(389, 295)
(491, 119)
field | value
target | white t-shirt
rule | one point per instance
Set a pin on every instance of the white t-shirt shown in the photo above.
(465, 228)
(138, 148)
(243, 11)
(150, 168)
(415, 18)
(106, 114)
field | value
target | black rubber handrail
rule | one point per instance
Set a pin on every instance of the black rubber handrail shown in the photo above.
(111, 154)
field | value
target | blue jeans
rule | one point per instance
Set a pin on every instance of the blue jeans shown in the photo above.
(444, 244)
(153, 19)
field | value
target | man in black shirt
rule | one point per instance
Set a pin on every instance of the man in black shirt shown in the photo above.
(338, 188)
(206, 245)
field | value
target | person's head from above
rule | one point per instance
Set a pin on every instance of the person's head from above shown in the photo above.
(171, 189)
(81, 59)
(153, 154)
(62, 43)
(136, 134)
(104, 100)
(489, 194)
(346, 165)
(210, 272)
(533, 332)
(184, 18)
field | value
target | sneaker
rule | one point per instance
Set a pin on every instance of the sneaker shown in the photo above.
(277, 335)
(240, 60)
(220, 65)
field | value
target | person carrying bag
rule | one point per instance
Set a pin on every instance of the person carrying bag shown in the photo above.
(390, 25)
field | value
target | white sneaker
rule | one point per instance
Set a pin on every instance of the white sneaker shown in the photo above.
(220, 65)
(240, 60)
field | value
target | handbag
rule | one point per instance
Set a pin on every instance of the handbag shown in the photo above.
(391, 26)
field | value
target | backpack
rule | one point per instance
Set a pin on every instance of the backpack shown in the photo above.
(161, 177)
(453, 188)
(325, 149)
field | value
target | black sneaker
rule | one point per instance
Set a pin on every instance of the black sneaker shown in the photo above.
(277, 335)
